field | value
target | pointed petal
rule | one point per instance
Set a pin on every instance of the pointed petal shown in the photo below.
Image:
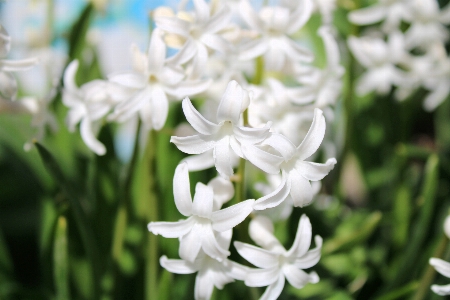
(266, 161)
(196, 120)
(237, 271)
(190, 244)
(184, 54)
(203, 286)
(331, 46)
(181, 190)
(250, 135)
(315, 171)
(312, 257)
(219, 21)
(194, 144)
(274, 290)
(199, 61)
(222, 157)
(282, 144)
(200, 162)
(253, 49)
(171, 229)
(299, 278)
(215, 42)
(261, 231)
(302, 238)
(17, 65)
(274, 58)
(203, 201)
(231, 216)
(190, 88)
(89, 138)
(126, 109)
(258, 257)
(201, 10)
(230, 105)
(129, 79)
(368, 15)
(159, 107)
(314, 137)
(210, 244)
(177, 266)
(69, 77)
(442, 290)
(223, 191)
(300, 16)
(441, 266)
(156, 51)
(275, 198)
(249, 15)
(173, 25)
(301, 190)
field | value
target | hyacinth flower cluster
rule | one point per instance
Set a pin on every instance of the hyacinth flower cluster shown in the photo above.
(405, 60)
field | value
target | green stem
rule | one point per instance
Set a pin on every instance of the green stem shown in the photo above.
(428, 276)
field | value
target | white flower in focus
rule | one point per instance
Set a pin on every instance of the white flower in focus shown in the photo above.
(199, 230)
(392, 12)
(88, 104)
(153, 82)
(296, 172)
(442, 267)
(275, 262)
(380, 58)
(275, 24)
(195, 33)
(228, 135)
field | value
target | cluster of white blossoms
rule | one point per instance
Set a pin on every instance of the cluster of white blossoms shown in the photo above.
(405, 59)
(442, 266)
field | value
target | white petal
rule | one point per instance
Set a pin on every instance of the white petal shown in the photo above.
(191, 88)
(230, 105)
(177, 266)
(237, 271)
(253, 49)
(171, 76)
(315, 171)
(215, 42)
(160, 107)
(193, 144)
(266, 161)
(302, 238)
(126, 109)
(156, 51)
(250, 135)
(249, 15)
(203, 286)
(441, 266)
(201, 10)
(69, 77)
(200, 162)
(223, 191)
(129, 79)
(312, 257)
(89, 138)
(173, 25)
(294, 51)
(190, 243)
(231, 216)
(210, 245)
(274, 198)
(298, 278)
(224, 238)
(442, 290)
(182, 190)
(183, 55)
(196, 120)
(261, 231)
(199, 61)
(314, 137)
(171, 229)
(274, 58)
(282, 144)
(260, 258)
(17, 65)
(368, 15)
(436, 97)
(301, 190)
(219, 21)
(331, 46)
(202, 205)
(222, 157)
(274, 290)
(300, 16)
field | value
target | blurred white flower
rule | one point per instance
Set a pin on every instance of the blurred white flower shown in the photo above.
(442, 267)
(198, 230)
(275, 262)
(274, 25)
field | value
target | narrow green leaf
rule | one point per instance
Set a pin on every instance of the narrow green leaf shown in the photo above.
(79, 30)
(402, 215)
(60, 260)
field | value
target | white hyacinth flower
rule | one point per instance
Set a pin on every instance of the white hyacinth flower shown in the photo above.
(275, 262)
(274, 25)
(203, 222)
(196, 32)
(380, 58)
(153, 83)
(227, 135)
(88, 104)
(295, 170)
(210, 272)
(443, 268)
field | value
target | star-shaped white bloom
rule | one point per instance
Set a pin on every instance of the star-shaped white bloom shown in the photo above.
(274, 24)
(443, 268)
(380, 59)
(153, 83)
(228, 135)
(198, 230)
(211, 272)
(275, 262)
(197, 32)
(296, 172)
(88, 104)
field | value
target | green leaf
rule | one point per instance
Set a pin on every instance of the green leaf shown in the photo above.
(79, 30)
(60, 260)
(402, 215)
